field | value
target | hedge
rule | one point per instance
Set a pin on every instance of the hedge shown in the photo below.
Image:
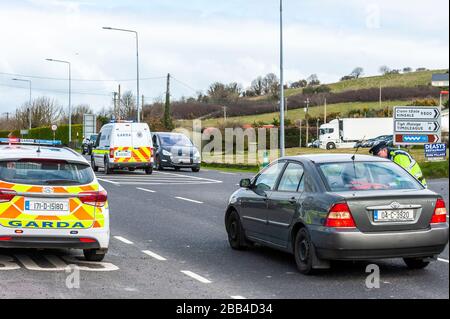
(46, 133)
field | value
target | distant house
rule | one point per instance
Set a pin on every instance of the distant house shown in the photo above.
(440, 80)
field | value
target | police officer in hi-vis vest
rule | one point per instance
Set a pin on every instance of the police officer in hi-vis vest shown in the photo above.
(400, 157)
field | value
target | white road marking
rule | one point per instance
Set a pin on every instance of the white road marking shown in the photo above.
(152, 254)
(145, 190)
(237, 297)
(196, 277)
(108, 181)
(124, 240)
(193, 177)
(190, 200)
(443, 260)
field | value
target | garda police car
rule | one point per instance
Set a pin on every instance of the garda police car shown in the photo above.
(50, 198)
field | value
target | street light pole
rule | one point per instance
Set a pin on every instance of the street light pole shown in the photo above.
(282, 139)
(70, 94)
(29, 103)
(137, 67)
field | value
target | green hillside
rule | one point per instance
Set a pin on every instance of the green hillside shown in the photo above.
(412, 79)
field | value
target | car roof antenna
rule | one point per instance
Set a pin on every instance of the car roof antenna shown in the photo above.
(357, 148)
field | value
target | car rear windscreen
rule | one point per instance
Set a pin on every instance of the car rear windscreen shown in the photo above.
(360, 176)
(45, 172)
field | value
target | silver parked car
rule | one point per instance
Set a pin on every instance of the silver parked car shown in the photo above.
(338, 207)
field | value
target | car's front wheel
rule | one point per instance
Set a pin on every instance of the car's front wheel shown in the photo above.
(303, 251)
(416, 263)
(94, 254)
(94, 167)
(196, 169)
(236, 236)
(108, 170)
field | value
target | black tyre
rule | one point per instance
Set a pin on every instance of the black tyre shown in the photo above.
(159, 166)
(108, 170)
(94, 254)
(236, 236)
(149, 171)
(196, 169)
(331, 146)
(303, 251)
(131, 169)
(94, 167)
(416, 263)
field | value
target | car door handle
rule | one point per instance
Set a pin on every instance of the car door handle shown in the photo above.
(293, 200)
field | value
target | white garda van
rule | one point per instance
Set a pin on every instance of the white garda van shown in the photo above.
(123, 145)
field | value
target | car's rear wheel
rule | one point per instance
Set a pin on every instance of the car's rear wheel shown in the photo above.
(94, 167)
(303, 251)
(416, 263)
(149, 171)
(131, 169)
(196, 169)
(94, 254)
(236, 236)
(108, 170)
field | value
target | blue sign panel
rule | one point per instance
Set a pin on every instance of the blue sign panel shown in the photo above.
(438, 150)
(415, 138)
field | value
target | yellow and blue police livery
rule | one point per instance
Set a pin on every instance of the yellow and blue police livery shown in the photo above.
(51, 198)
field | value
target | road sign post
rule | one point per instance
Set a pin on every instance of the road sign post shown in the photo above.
(417, 125)
(54, 128)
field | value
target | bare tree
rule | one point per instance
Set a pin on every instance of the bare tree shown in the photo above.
(127, 106)
(357, 72)
(257, 86)
(313, 80)
(77, 114)
(44, 112)
(384, 69)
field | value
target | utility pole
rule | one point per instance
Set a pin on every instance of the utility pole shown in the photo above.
(224, 114)
(7, 116)
(307, 120)
(282, 141)
(115, 104)
(167, 116)
(119, 102)
(142, 108)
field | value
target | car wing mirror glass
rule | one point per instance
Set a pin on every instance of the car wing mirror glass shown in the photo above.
(245, 183)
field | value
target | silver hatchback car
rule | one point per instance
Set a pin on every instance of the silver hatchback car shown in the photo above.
(338, 207)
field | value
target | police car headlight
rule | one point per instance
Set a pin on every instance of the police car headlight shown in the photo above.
(166, 153)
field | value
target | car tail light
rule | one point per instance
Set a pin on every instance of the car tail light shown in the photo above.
(111, 153)
(6, 195)
(5, 238)
(97, 199)
(440, 212)
(340, 216)
(87, 240)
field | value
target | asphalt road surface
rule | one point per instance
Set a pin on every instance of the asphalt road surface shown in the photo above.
(169, 241)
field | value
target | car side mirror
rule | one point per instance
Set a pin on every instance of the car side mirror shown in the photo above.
(245, 183)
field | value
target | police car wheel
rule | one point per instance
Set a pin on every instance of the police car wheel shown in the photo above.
(94, 254)
(94, 167)
(108, 170)
(196, 169)
(149, 171)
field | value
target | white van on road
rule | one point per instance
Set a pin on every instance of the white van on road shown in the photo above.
(123, 145)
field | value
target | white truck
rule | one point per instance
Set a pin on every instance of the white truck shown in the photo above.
(344, 133)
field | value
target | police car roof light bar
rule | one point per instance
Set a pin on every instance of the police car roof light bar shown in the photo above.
(21, 141)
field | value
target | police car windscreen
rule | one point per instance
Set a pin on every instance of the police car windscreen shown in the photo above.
(361, 176)
(45, 172)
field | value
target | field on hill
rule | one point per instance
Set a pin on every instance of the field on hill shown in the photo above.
(297, 114)
(413, 79)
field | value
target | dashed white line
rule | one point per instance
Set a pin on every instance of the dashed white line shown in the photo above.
(145, 190)
(152, 254)
(124, 240)
(196, 277)
(108, 181)
(189, 200)
(443, 260)
(237, 297)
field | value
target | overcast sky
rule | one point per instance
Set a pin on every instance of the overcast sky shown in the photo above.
(202, 41)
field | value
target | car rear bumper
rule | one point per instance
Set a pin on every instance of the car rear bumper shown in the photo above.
(166, 161)
(131, 165)
(341, 244)
(55, 238)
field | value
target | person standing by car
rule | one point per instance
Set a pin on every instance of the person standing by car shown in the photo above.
(400, 157)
